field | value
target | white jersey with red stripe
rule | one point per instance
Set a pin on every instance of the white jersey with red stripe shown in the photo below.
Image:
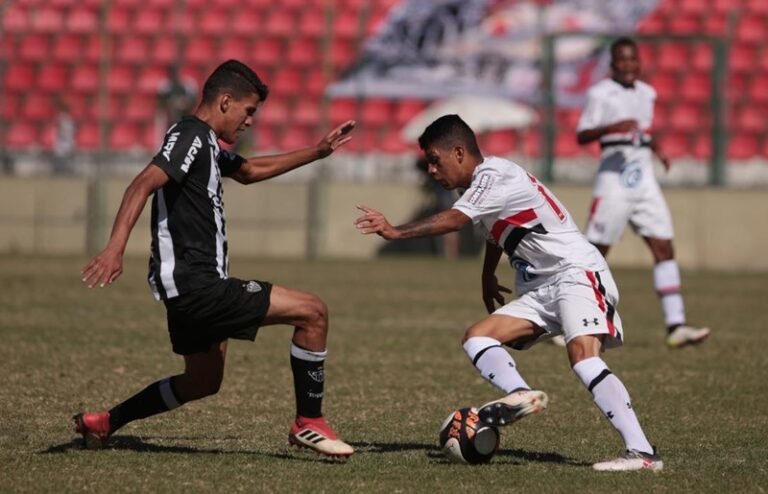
(626, 166)
(522, 216)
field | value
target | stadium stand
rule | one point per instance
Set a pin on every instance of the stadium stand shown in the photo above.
(55, 48)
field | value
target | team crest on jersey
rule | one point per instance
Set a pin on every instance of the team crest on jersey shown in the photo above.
(631, 175)
(169, 144)
(252, 287)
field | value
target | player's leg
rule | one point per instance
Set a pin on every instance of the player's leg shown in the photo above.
(483, 343)
(606, 222)
(653, 222)
(203, 373)
(308, 315)
(589, 318)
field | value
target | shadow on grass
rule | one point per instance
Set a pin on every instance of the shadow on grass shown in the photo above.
(139, 444)
(509, 456)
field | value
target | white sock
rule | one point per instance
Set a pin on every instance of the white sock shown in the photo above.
(612, 398)
(666, 281)
(494, 363)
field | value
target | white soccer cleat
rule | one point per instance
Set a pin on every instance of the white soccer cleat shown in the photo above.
(558, 340)
(317, 435)
(632, 460)
(686, 335)
(513, 407)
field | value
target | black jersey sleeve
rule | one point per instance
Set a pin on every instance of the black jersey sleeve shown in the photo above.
(229, 162)
(182, 147)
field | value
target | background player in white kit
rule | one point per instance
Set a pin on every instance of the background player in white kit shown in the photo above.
(564, 284)
(619, 113)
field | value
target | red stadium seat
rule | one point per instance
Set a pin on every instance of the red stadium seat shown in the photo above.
(725, 6)
(140, 108)
(287, 82)
(132, 49)
(567, 119)
(392, 143)
(312, 23)
(274, 112)
(68, 48)
(742, 58)
(120, 79)
(376, 111)
(21, 134)
(696, 87)
(200, 51)
(265, 137)
(752, 118)
(267, 52)
(236, 47)
(672, 56)
(165, 50)
(280, 23)
(37, 107)
(702, 147)
(304, 52)
(756, 7)
(499, 142)
(53, 77)
(87, 137)
(758, 88)
(684, 24)
(214, 22)
(150, 77)
(342, 110)
(79, 105)
(374, 23)
(743, 146)
(19, 77)
(532, 142)
(342, 53)
(665, 84)
(35, 48)
(687, 117)
(181, 22)
(698, 7)
(566, 145)
(48, 20)
(246, 22)
(701, 57)
(92, 47)
(85, 78)
(676, 145)
(16, 19)
(652, 24)
(346, 24)
(405, 110)
(716, 25)
(9, 106)
(83, 20)
(124, 136)
(118, 21)
(751, 29)
(306, 113)
(294, 137)
(149, 21)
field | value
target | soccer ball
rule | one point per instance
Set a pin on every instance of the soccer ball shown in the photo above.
(464, 439)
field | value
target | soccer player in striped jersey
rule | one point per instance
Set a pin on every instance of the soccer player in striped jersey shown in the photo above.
(619, 113)
(189, 269)
(563, 283)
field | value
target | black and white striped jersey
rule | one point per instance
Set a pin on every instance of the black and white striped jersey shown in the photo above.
(189, 234)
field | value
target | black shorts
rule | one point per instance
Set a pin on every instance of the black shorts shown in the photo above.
(230, 308)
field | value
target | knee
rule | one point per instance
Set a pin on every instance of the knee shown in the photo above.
(316, 315)
(663, 251)
(210, 386)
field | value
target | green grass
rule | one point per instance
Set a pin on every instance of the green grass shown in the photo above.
(395, 371)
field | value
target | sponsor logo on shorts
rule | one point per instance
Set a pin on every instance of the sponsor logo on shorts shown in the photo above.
(252, 287)
(593, 321)
(631, 175)
(317, 376)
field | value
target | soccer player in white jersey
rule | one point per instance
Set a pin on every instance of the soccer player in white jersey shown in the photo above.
(563, 283)
(189, 264)
(619, 114)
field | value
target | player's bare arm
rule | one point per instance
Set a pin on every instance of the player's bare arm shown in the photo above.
(372, 221)
(107, 266)
(660, 154)
(588, 135)
(492, 291)
(262, 168)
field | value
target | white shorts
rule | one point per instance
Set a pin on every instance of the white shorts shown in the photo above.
(577, 303)
(647, 214)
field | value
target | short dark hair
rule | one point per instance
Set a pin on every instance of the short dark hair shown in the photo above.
(622, 41)
(236, 78)
(448, 131)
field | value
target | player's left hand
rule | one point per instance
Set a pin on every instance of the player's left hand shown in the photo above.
(665, 161)
(103, 269)
(335, 138)
(375, 222)
(492, 292)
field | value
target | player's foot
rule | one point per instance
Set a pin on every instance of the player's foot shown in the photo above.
(630, 460)
(558, 340)
(513, 407)
(686, 335)
(317, 435)
(94, 427)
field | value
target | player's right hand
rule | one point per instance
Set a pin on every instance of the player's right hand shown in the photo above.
(629, 125)
(103, 269)
(492, 293)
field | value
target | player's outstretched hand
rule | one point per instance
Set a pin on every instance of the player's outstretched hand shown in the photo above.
(335, 138)
(492, 292)
(103, 269)
(375, 222)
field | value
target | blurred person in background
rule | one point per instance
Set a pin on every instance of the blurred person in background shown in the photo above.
(64, 140)
(619, 114)
(176, 97)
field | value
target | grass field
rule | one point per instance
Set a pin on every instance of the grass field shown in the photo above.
(395, 371)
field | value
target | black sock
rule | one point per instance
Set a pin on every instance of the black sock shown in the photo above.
(156, 398)
(673, 327)
(308, 381)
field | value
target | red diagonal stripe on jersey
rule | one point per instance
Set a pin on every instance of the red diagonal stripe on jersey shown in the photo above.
(601, 302)
(519, 219)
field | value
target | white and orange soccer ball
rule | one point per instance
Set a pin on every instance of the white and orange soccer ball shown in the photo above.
(464, 439)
